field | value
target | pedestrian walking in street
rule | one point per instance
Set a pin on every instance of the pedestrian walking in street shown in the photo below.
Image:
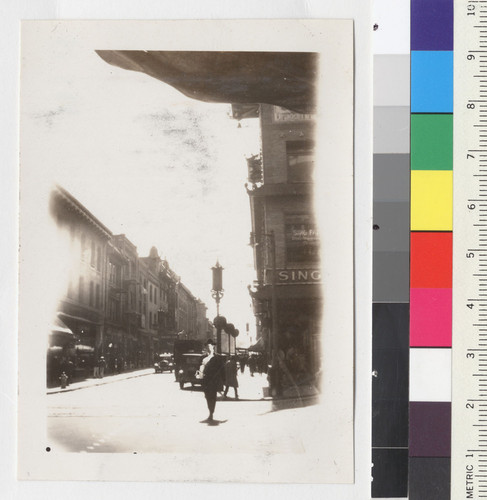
(212, 369)
(101, 366)
(231, 379)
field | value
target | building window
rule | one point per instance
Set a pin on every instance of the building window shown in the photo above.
(150, 319)
(155, 295)
(113, 274)
(98, 258)
(98, 297)
(92, 294)
(92, 255)
(81, 289)
(300, 161)
(302, 239)
(150, 292)
(83, 246)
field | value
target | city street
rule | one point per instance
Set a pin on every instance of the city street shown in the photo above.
(150, 414)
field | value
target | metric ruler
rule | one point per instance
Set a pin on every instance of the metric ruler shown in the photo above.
(469, 341)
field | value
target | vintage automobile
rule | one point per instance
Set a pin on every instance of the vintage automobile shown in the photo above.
(189, 364)
(164, 363)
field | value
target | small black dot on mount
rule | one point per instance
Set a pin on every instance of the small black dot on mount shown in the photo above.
(48, 449)
(376, 227)
(376, 27)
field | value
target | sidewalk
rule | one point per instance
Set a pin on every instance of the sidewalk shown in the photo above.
(250, 388)
(92, 382)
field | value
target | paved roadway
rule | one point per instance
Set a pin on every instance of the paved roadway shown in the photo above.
(150, 414)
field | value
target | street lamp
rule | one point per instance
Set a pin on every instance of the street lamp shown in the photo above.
(217, 294)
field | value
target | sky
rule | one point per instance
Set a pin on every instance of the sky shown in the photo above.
(149, 162)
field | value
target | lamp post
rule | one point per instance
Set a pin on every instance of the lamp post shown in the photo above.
(270, 238)
(217, 294)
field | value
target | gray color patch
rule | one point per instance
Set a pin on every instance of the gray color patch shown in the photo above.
(391, 80)
(391, 227)
(390, 277)
(391, 177)
(391, 129)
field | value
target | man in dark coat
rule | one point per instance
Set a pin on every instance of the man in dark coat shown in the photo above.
(212, 367)
(231, 379)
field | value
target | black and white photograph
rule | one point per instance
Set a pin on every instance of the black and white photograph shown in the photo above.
(186, 287)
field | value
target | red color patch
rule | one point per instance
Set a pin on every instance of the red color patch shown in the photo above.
(431, 260)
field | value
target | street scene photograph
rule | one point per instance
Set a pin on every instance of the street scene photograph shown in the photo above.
(186, 236)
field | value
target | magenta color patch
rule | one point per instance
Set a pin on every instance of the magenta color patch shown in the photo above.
(430, 317)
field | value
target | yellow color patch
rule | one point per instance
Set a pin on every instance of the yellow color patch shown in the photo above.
(431, 200)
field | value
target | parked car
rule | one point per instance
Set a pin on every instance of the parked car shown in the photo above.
(164, 363)
(188, 366)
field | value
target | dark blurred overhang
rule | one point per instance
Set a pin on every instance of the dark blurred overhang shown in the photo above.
(286, 79)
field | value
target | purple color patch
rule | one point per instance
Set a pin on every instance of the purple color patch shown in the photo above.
(429, 429)
(431, 24)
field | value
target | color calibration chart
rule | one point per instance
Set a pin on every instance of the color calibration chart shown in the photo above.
(412, 268)
(469, 397)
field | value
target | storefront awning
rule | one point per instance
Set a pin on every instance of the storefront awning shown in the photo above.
(258, 346)
(78, 319)
(58, 326)
(60, 335)
(308, 291)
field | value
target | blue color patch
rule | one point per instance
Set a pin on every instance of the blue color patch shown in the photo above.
(432, 82)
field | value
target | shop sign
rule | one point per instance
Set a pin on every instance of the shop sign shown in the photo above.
(285, 115)
(294, 276)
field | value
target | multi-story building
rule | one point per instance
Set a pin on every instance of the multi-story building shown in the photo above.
(83, 303)
(186, 312)
(156, 299)
(115, 304)
(146, 331)
(115, 328)
(203, 332)
(287, 296)
(124, 350)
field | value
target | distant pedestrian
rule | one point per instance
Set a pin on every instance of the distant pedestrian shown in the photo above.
(231, 379)
(212, 371)
(64, 380)
(70, 370)
(252, 365)
(243, 361)
(101, 366)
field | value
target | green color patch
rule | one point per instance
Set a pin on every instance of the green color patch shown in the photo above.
(432, 142)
